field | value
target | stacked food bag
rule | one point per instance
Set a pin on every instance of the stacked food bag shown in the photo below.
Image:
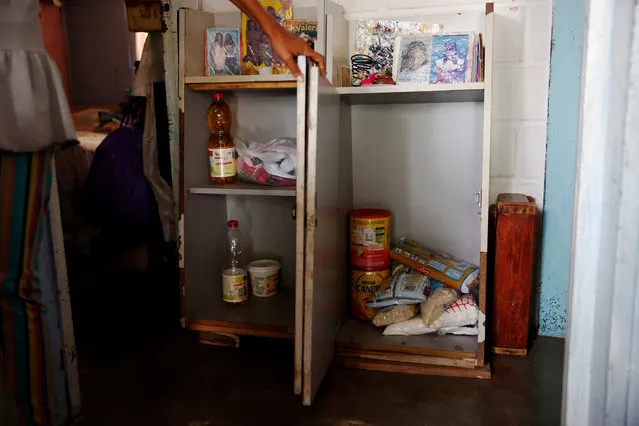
(428, 292)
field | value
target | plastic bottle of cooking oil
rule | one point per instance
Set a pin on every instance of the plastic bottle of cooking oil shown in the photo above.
(221, 145)
(234, 282)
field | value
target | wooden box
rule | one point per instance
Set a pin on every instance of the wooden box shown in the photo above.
(513, 222)
(144, 15)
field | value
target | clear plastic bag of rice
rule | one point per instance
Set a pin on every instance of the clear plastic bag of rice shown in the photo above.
(438, 300)
(394, 314)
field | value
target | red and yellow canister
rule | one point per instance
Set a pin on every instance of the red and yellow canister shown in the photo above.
(364, 284)
(370, 239)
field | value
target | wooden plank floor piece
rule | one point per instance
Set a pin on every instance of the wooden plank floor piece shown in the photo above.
(406, 358)
(359, 335)
(241, 329)
(510, 351)
(411, 368)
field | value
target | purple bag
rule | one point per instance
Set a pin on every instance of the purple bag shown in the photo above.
(117, 194)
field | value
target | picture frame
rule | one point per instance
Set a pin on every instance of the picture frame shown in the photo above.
(222, 55)
(437, 59)
(412, 59)
(257, 54)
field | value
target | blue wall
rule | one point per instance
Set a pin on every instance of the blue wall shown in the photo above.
(563, 117)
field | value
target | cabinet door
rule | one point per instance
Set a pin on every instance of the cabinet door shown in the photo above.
(300, 219)
(327, 201)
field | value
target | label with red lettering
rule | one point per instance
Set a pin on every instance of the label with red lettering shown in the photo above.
(222, 162)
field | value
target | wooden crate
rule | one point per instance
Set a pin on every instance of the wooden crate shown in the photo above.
(513, 220)
(144, 15)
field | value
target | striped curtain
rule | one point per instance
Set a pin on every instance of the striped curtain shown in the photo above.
(25, 184)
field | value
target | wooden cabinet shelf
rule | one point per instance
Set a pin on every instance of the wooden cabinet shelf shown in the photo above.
(243, 188)
(412, 93)
(242, 82)
(361, 335)
(266, 317)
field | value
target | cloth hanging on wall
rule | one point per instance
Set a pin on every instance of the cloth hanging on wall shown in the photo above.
(151, 70)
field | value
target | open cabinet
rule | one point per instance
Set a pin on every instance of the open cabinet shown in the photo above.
(421, 151)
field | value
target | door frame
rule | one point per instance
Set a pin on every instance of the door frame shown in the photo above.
(601, 378)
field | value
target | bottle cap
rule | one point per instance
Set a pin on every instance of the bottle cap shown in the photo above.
(233, 224)
(218, 96)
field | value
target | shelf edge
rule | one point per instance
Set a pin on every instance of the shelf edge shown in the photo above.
(243, 191)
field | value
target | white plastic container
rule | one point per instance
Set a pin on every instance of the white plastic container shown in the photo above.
(265, 277)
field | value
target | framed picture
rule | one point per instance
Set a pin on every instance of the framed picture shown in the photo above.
(451, 58)
(437, 59)
(222, 51)
(258, 56)
(412, 60)
(306, 29)
(377, 39)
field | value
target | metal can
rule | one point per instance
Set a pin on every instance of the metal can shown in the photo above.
(364, 284)
(370, 239)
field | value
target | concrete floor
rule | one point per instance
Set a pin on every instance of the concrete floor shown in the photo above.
(137, 369)
(168, 379)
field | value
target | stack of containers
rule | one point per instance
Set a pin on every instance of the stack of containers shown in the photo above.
(369, 257)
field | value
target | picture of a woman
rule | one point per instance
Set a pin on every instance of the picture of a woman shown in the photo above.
(415, 63)
(219, 54)
(450, 67)
(278, 17)
(253, 36)
(265, 55)
(223, 51)
(232, 52)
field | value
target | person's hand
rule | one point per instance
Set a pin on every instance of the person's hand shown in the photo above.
(288, 46)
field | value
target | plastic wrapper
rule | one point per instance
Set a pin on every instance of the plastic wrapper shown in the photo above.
(456, 319)
(258, 56)
(404, 288)
(459, 331)
(271, 163)
(443, 267)
(415, 327)
(439, 297)
(394, 314)
(411, 327)
(460, 313)
(377, 39)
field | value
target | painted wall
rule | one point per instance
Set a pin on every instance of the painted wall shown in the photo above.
(55, 42)
(563, 117)
(101, 51)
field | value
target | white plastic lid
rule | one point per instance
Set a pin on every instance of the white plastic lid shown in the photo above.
(264, 266)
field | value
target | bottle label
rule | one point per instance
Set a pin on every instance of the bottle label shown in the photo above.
(222, 162)
(234, 286)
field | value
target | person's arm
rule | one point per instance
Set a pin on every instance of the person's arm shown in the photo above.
(286, 44)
